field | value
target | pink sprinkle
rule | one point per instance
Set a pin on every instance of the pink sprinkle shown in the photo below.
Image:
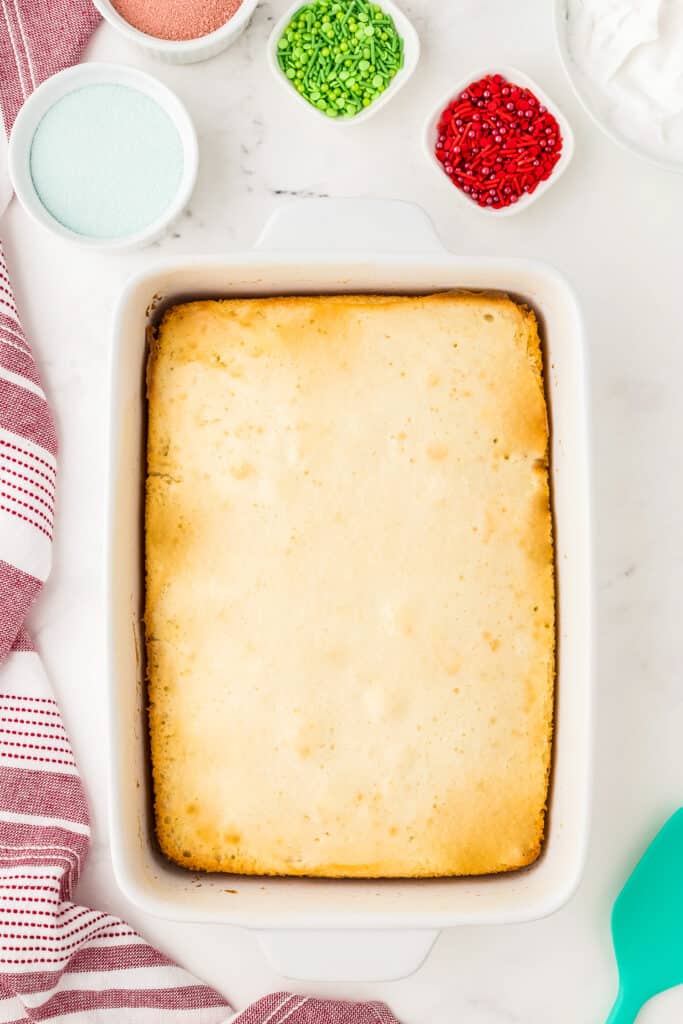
(177, 19)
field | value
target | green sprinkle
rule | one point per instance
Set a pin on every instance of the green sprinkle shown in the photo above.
(340, 55)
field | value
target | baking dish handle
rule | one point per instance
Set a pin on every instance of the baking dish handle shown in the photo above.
(368, 955)
(366, 225)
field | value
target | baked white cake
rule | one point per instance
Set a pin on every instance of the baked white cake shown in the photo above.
(350, 587)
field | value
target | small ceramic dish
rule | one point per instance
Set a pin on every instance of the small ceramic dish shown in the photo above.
(516, 77)
(411, 56)
(60, 85)
(183, 51)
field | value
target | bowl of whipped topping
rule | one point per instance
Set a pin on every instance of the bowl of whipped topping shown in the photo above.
(625, 62)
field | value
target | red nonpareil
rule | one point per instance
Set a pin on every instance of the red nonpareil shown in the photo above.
(497, 142)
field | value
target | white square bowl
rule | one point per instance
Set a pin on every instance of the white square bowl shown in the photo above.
(515, 77)
(411, 56)
(331, 246)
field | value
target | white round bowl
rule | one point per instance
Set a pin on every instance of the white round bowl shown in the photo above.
(411, 56)
(594, 101)
(516, 77)
(52, 90)
(183, 51)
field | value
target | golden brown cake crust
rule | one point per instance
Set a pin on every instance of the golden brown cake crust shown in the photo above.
(350, 587)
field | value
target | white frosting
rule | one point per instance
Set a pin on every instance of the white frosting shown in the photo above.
(632, 52)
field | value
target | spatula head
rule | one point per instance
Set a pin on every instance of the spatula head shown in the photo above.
(647, 921)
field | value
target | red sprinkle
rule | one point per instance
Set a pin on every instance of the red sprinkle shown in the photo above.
(470, 146)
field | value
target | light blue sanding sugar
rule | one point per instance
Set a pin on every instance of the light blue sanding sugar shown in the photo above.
(106, 161)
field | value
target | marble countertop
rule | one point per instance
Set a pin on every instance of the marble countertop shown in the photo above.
(613, 226)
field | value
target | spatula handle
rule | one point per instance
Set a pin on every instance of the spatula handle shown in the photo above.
(626, 1009)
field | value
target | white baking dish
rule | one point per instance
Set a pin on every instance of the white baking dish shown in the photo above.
(319, 928)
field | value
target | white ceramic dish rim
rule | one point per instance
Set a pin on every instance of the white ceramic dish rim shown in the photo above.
(411, 57)
(65, 82)
(190, 49)
(587, 96)
(402, 249)
(517, 77)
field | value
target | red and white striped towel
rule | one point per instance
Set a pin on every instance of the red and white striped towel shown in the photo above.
(60, 961)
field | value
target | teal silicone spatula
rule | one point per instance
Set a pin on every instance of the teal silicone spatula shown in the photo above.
(647, 924)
